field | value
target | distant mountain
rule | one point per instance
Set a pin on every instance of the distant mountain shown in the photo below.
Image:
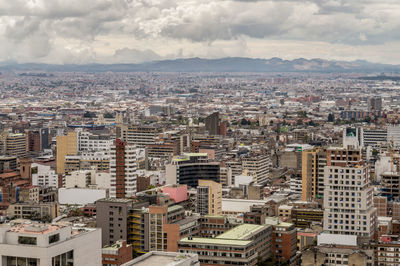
(229, 64)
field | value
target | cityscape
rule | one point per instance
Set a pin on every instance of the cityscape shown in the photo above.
(191, 151)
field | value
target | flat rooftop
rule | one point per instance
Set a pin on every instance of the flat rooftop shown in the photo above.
(35, 228)
(241, 232)
(159, 258)
(215, 241)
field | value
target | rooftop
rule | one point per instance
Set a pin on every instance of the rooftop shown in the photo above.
(215, 241)
(241, 232)
(156, 258)
(276, 221)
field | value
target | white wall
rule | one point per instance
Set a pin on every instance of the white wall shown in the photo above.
(80, 196)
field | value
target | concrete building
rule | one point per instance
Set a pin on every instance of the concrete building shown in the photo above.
(332, 250)
(66, 145)
(212, 123)
(209, 198)
(123, 170)
(258, 167)
(372, 137)
(34, 211)
(8, 163)
(90, 143)
(49, 244)
(99, 160)
(43, 175)
(116, 254)
(393, 134)
(137, 135)
(112, 217)
(374, 104)
(14, 144)
(240, 245)
(190, 168)
(348, 202)
(284, 240)
(313, 163)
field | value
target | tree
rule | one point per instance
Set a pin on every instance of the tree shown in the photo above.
(331, 118)
(108, 115)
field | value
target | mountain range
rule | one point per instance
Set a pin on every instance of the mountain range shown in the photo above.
(228, 64)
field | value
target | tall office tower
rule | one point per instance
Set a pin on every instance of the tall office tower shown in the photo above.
(374, 104)
(123, 170)
(258, 167)
(14, 144)
(66, 145)
(348, 202)
(209, 198)
(212, 123)
(191, 167)
(137, 135)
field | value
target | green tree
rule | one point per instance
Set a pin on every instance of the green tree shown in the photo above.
(331, 118)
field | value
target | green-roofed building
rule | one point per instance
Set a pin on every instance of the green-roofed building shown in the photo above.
(241, 245)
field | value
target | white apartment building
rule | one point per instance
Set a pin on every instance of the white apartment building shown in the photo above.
(348, 201)
(258, 167)
(123, 170)
(89, 142)
(49, 244)
(44, 176)
(79, 179)
(87, 178)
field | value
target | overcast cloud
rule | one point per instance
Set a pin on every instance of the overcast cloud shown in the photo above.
(132, 31)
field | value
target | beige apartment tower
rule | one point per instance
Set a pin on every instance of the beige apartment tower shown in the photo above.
(209, 198)
(66, 145)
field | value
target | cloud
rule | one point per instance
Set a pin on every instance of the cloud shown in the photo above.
(127, 55)
(138, 30)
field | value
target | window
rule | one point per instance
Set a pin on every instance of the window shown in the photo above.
(54, 238)
(25, 240)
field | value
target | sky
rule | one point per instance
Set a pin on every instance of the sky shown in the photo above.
(134, 31)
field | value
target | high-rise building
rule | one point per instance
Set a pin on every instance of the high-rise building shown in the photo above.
(212, 123)
(375, 104)
(91, 143)
(191, 167)
(14, 144)
(123, 170)
(257, 166)
(313, 163)
(313, 168)
(138, 135)
(209, 198)
(66, 145)
(348, 201)
(284, 240)
(34, 140)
